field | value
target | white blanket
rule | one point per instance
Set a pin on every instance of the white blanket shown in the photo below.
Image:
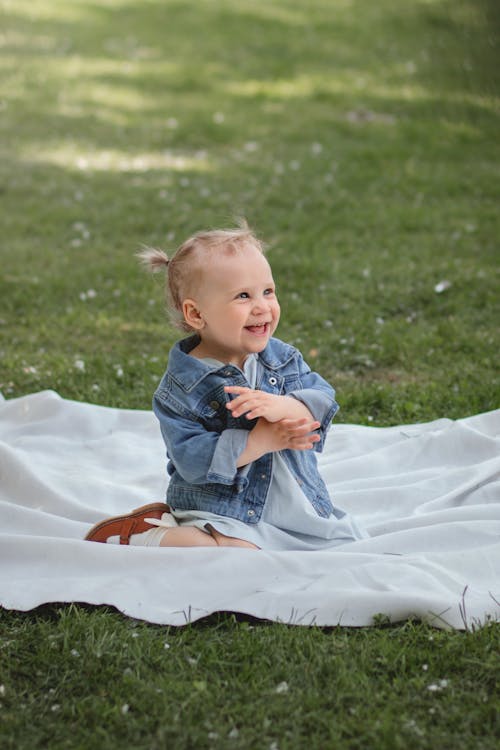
(428, 494)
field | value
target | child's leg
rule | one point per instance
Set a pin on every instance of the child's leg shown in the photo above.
(153, 526)
(191, 536)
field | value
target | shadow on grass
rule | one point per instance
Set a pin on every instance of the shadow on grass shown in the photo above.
(130, 65)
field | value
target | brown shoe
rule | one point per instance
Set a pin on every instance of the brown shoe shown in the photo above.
(124, 526)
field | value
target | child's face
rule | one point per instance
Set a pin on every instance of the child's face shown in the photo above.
(236, 310)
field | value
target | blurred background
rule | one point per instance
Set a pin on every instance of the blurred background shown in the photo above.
(359, 140)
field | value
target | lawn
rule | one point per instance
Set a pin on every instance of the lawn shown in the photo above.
(360, 140)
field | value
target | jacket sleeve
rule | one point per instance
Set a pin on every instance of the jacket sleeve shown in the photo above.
(318, 396)
(200, 455)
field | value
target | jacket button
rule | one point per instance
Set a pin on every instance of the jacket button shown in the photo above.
(272, 381)
(214, 405)
(250, 512)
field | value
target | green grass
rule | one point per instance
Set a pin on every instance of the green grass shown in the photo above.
(360, 139)
(91, 678)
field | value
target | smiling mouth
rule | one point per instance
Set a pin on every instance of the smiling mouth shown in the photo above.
(259, 330)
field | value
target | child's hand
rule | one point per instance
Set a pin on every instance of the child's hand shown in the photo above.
(270, 437)
(291, 434)
(256, 404)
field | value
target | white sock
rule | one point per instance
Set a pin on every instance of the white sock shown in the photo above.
(152, 537)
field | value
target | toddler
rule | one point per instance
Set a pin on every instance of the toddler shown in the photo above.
(242, 415)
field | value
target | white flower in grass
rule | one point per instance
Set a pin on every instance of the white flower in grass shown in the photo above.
(125, 709)
(234, 734)
(79, 364)
(436, 687)
(2, 690)
(74, 652)
(55, 707)
(442, 286)
(282, 688)
(294, 165)
(251, 146)
(172, 123)
(218, 118)
(89, 294)
(118, 371)
(316, 148)
(166, 646)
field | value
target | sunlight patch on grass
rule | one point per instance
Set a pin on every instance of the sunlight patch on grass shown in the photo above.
(77, 157)
(353, 83)
(108, 96)
(304, 86)
(40, 10)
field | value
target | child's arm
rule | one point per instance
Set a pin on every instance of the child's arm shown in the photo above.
(269, 437)
(199, 455)
(310, 392)
(273, 408)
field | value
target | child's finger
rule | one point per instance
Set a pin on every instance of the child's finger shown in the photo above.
(244, 398)
(303, 445)
(242, 404)
(301, 426)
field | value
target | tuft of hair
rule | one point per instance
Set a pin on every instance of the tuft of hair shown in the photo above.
(153, 259)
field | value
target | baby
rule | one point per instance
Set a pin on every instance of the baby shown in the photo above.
(242, 415)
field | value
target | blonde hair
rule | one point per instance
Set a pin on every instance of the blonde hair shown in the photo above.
(184, 269)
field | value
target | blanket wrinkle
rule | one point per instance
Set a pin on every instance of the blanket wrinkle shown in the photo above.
(428, 494)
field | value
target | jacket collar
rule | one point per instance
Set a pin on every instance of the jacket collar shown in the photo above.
(188, 371)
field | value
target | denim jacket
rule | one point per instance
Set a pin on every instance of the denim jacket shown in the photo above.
(204, 440)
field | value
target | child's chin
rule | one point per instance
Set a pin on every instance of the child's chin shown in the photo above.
(261, 345)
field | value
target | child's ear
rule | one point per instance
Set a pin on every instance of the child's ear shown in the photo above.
(192, 315)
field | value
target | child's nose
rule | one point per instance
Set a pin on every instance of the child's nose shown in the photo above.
(260, 306)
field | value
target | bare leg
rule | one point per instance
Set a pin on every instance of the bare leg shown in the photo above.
(191, 536)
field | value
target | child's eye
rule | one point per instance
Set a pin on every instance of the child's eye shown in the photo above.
(269, 291)
(243, 295)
